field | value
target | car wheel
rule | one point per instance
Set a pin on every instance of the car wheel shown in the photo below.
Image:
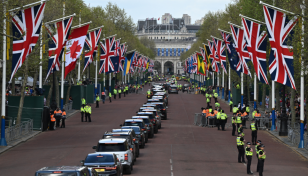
(135, 159)
(156, 130)
(159, 127)
(128, 170)
(146, 140)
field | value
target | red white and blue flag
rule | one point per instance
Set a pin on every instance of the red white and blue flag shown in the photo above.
(122, 50)
(109, 61)
(57, 42)
(91, 47)
(214, 57)
(256, 46)
(220, 51)
(241, 49)
(195, 63)
(26, 26)
(281, 57)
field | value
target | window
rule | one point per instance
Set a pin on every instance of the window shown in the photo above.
(161, 37)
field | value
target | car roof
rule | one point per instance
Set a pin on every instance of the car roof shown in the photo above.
(99, 153)
(134, 120)
(122, 130)
(111, 140)
(158, 103)
(151, 107)
(127, 127)
(140, 117)
(144, 112)
(63, 168)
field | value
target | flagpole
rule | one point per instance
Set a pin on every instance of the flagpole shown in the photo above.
(97, 57)
(213, 74)
(63, 67)
(3, 141)
(41, 58)
(255, 92)
(229, 97)
(223, 85)
(273, 98)
(302, 115)
(242, 89)
(218, 82)
(109, 82)
(80, 56)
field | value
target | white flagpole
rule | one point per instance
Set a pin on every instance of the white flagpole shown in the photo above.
(218, 82)
(302, 115)
(273, 99)
(110, 82)
(3, 141)
(223, 85)
(63, 67)
(79, 57)
(229, 97)
(255, 92)
(41, 58)
(96, 72)
(242, 89)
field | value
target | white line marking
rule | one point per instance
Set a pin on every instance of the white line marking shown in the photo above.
(170, 161)
(171, 173)
(171, 167)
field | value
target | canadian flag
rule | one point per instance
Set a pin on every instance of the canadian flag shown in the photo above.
(74, 47)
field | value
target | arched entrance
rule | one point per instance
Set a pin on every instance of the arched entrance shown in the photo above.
(157, 66)
(169, 68)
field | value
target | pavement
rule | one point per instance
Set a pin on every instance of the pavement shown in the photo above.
(179, 148)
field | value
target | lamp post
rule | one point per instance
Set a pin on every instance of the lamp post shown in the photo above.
(283, 118)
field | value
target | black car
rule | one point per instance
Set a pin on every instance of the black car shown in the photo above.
(63, 171)
(101, 163)
(124, 135)
(135, 138)
(148, 123)
(140, 135)
(152, 118)
(162, 108)
(137, 122)
(173, 89)
(185, 87)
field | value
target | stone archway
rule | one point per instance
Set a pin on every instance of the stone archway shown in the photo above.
(158, 67)
(169, 67)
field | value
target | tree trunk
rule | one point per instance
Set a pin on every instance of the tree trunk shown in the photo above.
(263, 95)
(34, 82)
(49, 94)
(22, 93)
(277, 97)
(13, 85)
(292, 107)
(57, 88)
(69, 89)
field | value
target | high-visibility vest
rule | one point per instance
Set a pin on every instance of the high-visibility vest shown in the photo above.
(257, 115)
(97, 98)
(203, 111)
(52, 119)
(207, 100)
(115, 91)
(235, 109)
(207, 95)
(58, 113)
(231, 103)
(210, 110)
(256, 147)
(262, 157)
(210, 115)
(247, 109)
(217, 104)
(218, 115)
(103, 93)
(89, 109)
(214, 91)
(210, 95)
(253, 114)
(215, 112)
(244, 114)
(215, 95)
(82, 109)
(83, 101)
(238, 86)
(148, 92)
(120, 91)
(238, 141)
(248, 153)
(63, 115)
(253, 126)
(233, 120)
(110, 94)
(238, 119)
(239, 129)
(223, 116)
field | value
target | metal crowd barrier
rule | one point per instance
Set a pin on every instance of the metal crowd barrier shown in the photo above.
(68, 107)
(18, 131)
(200, 120)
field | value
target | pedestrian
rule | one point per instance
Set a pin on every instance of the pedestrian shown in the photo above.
(115, 93)
(257, 116)
(240, 147)
(244, 115)
(208, 102)
(83, 101)
(215, 97)
(223, 120)
(124, 91)
(240, 130)
(238, 119)
(120, 91)
(261, 158)
(58, 116)
(86, 112)
(257, 147)
(254, 132)
(63, 118)
(103, 96)
(82, 112)
(110, 97)
(249, 153)
(89, 113)
(218, 123)
(233, 125)
(97, 101)
(52, 121)
(230, 104)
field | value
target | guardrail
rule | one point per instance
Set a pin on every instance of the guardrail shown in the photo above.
(68, 107)
(18, 131)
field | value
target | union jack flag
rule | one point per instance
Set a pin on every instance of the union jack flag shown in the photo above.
(195, 63)
(122, 50)
(91, 44)
(256, 46)
(204, 55)
(26, 26)
(133, 62)
(281, 57)
(144, 64)
(220, 51)
(118, 47)
(57, 42)
(213, 56)
(241, 49)
(108, 54)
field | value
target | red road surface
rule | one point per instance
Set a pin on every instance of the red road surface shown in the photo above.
(179, 148)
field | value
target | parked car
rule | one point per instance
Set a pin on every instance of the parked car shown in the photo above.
(162, 107)
(156, 114)
(140, 135)
(63, 170)
(137, 122)
(101, 163)
(148, 123)
(121, 148)
(185, 87)
(173, 89)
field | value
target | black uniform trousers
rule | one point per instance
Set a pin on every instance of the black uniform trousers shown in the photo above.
(52, 125)
(124, 93)
(110, 99)
(58, 119)
(260, 166)
(82, 114)
(249, 158)
(63, 123)
(218, 123)
(254, 137)
(115, 96)
(244, 122)
(241, 153)
(233, 129)
(215, 100)
(119, 95)
(88, 117)
(223, 123)
(97, 104)
(230, 108)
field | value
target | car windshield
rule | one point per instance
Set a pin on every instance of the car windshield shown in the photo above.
(135, 129)
(99, 159)
(146, 120)
(186, 85)
(113, 136)
(58, 174)
(160, 106)
(133, 124)
(111, 147)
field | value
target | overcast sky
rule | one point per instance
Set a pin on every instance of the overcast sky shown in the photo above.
(142, 9)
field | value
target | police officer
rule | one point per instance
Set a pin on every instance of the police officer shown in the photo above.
(149, 94)
(88, 112)
(254, 132)
(230, 103)
(249, 153)
(58, 116)
(235, 109)
(97, 101)
(218, 122)
(257, 115)
(82, 111)
(238, 119)
(52, 121)
(215, 96)
(240, 147)
(240, 130)
(83, 101)
(103, 96)
(217, 104)
(257, 147)
(63, 118)
(261, 158)
(233, 125)
(223, 120)
(247, 110)
(208, 102)
(120, 91)
(115, 93)
(110, 97)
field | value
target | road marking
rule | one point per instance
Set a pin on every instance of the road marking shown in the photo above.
(171, 173)
(171, 167)
(170, 161)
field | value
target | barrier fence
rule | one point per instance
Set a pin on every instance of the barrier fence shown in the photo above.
(18, 131)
